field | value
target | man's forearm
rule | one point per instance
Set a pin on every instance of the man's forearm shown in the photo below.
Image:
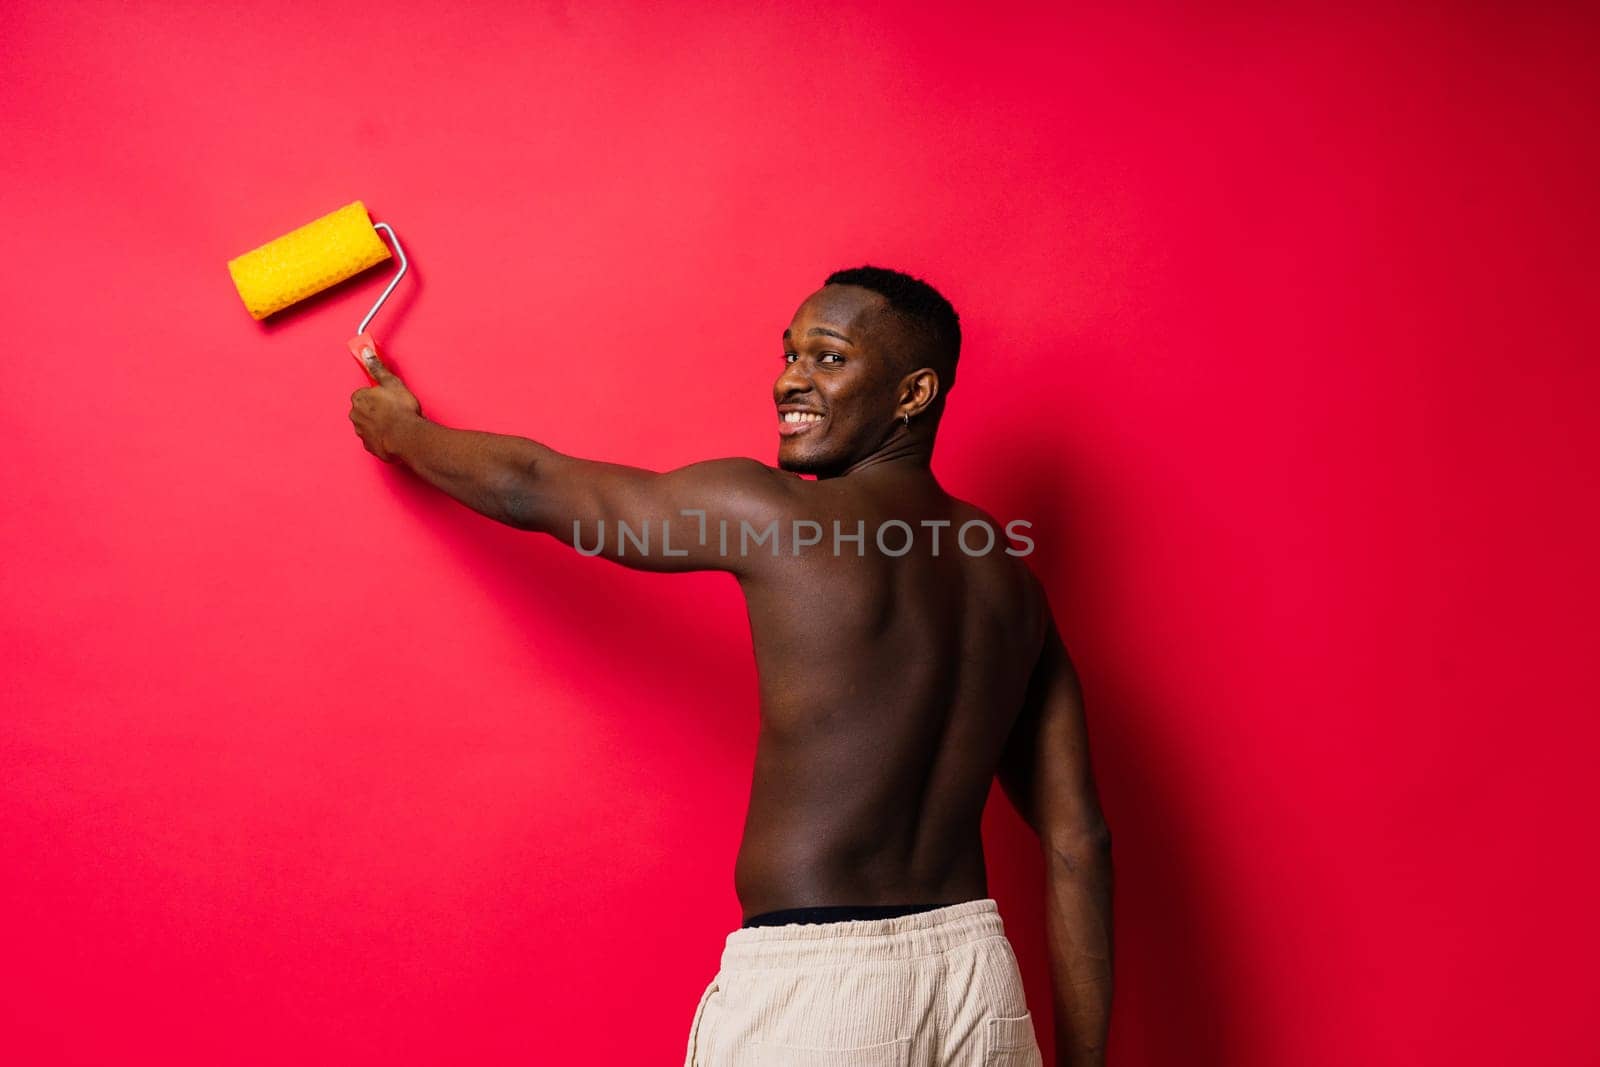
(482, 470)
(1078, 921)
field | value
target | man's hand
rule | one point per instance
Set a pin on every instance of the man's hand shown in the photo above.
(380, 412)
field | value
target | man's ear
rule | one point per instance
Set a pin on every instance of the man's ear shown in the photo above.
(918, 391)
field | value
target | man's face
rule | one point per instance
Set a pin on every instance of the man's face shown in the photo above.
(839, 387)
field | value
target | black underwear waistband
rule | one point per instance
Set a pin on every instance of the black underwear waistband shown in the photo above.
(835, 913)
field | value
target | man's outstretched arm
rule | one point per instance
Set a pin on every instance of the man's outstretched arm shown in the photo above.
(1045, 772)
(671, 521)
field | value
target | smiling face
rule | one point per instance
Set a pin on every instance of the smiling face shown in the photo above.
(838, 393)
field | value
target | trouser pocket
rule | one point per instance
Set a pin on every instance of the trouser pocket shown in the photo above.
(1010, 1042)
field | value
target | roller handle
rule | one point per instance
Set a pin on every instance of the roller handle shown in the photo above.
(363, 339)
(359, 343)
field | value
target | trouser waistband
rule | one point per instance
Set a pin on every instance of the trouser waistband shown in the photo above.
(922, 933)
(833, 913)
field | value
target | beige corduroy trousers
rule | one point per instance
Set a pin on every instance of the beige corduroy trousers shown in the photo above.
(937, 988)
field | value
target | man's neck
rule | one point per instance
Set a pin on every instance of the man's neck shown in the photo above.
(907, 456)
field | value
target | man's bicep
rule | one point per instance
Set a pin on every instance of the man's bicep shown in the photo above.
(1045, 768)
(661, 521)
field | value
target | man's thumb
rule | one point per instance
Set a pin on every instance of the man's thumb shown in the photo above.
(374, 365)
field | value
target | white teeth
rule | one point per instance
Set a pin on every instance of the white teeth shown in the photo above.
(801, 416)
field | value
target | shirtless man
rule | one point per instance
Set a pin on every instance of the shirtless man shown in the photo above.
(901, 667)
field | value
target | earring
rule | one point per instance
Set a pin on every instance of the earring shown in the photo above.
(906, 418)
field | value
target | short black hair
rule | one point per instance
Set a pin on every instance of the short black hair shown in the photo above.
(921, 307)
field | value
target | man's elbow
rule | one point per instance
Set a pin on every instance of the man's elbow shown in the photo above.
(1085, 847)
(518, 512)
(524, 498)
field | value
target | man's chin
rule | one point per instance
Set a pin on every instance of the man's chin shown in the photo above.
(798, 462)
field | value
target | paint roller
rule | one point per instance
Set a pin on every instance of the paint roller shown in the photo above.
(317, 256)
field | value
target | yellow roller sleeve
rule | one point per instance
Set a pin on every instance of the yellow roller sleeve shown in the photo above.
(317, 255)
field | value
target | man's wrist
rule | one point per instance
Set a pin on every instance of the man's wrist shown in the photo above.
(403, 438)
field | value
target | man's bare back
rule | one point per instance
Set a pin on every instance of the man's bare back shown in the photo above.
(888, 687)
(896, 680)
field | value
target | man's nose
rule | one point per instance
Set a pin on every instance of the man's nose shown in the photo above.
(793, 380)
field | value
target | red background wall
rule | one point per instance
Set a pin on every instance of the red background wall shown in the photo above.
(1279, 327)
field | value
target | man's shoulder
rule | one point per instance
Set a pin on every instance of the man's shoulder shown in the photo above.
(740, 486)
(1009, 554)
(968, 511)
(740, 472)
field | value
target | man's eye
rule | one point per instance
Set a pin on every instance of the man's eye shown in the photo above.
(789, 357)
(833, 356)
